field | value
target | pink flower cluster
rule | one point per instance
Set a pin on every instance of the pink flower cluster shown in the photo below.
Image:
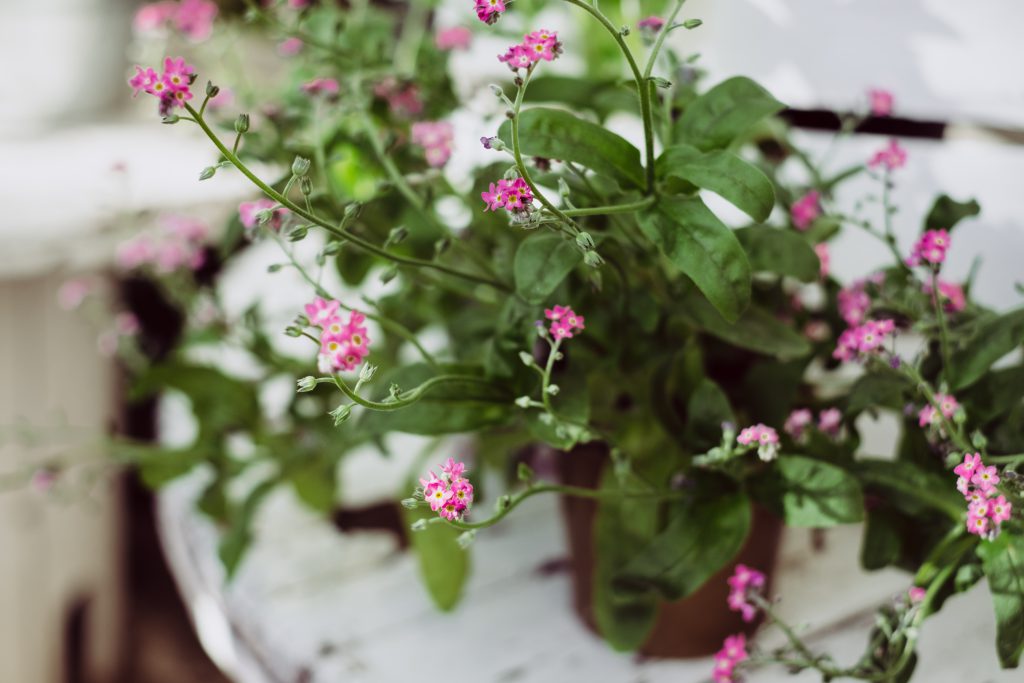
(891, 157)
(652, 24)
(536, 46)
(489, 11)
(863, 339)
(928, 416)
(451, 494)
(951, 295)
(192, 18)
(563, 321)
(854, 303)
(830, 422)
(733, 652)
(343, 345)
(289, 47)
(248, 213)
(454, 38)
(806, 209)
(765, 438)
(73, 292)
(179, 244)
(436, 138)
(930, 248)
(172, 87)
(511, 195)
(744, 581)
(880, 102)
(986, 511)
(328, 87)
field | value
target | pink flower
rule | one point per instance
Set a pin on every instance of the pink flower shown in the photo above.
(951, 295)
(733, 652)
(821, 249)
(328, 87)
(172, 87)
(985, 478)
(797, 422)
(969, 466)
(249, 213)
(194, 19)
(1000, 510)
(891, 157)
(806, 209)
(536, 46)
(320, 311)
(514, 196)
(451, 494)
(436, 138)
(154, 16)
(930, 248)
(916, 594)
(489, 11)
(765, 438)
(290, 47)
(854, 303)
(563, 321)
(865, 339)
(830, 421)
(929, 416)
(343, 345)
(403, 98)
(72, 293)
(454, 38)
(135, 252)
(651, 23)
(977, 524)
(517, 57)
(880, 101)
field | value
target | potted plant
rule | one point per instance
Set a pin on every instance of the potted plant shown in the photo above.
(594, 306)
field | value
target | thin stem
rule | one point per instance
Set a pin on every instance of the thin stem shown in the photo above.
(954, 431)
(340, 232)
(630, 207)
(943, 331)
(661, 39)
(546, 382)
(410, 397)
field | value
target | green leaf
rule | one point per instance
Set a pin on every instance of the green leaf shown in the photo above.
(946, 212)
(598, 95)
(696, 242)
(992, 340)
(622, 528)
(737, 181)
(756, 330)
(719, 116)
(707, 409)
(917, 490)
(811, 493)
(882, 545)
(223, 402)
(443, 563)
(557, 134)
(779, 251)
(1003, 560)
(541, 263)
(316, 484)
(236, 540)
(701, 537)
(995, 394)
(878, 389)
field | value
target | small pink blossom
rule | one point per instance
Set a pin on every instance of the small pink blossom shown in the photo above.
(969, 466)
(153, 16)
(328, 87)
(985, 478)
(249, 213)
(830, 421)
(489, 11)
(172, 87)
(44, 479)
(403, 99)
(290, 47)
(451, 494)
(854, 303)
(1000, 510)
(951, 296)
(514, 196)
(194, 19)
(891, 157)
(798, 422)
(928, 416)
(880, 101)
(821, 249)
(436, 138)
(765, 438)
(651, 23)
(563, 321)
(536, 46)
(73, 292)
(931, 248)
(862, 340)
(916, 594)
(806, 209)
(343, 344)
(454, 38)
(733, 652)
(320, 311)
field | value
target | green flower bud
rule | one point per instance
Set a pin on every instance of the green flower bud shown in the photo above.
(585, 241)
(465, 539)
(242, 123)
(170, 119)
(211, 90)
(441, 246)
(389, 275)
(418, 525)
(300, 166)
(341, 413)
(307, 384)
(274, 267)
(298, 233)
(524, 402)
(526, 358)
(396, 236)
(410, 503)
(593, 259)
(691, 24)
(207, 173)
(352, 211)
(263, 216)
(661, 82)
(333, 247)
(293, 331)
(367, 372)
(306, 185)
(524, 472)
(553, 389)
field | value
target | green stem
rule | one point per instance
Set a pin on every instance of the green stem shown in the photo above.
(1005, 459)
(546, 382)
(630, 207)
(642, 86)
(410, 397)
(339, 232)
(954, 431)
(943, 332)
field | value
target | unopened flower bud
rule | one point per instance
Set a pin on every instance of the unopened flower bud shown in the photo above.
(526, 358)
(293, 331)
(305, 185)
(418, 525)
(367, 372)
(553, 389)
(211, 89)
(242, 123)
(660, 82)
(979, 440)
(410, 503)
(274, 267)
(441, 246)
(624, 31)
(207, 172)
(300, 166)
(691, 24)
(465, 539)
(298, 233)
(264, 215)
(352, 211)
(523, 402)
(585, 241)
(341, 413)
(170, 119)
(388, 275)
(307, 384)
(593, 259)
(396, 236)
(333, 247)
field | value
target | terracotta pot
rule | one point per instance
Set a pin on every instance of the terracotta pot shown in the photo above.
(692, 627)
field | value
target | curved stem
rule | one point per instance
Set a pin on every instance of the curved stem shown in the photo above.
(642, 86)
(339, 232)
(630, 207)
(546, 382)
(412, 396)
(661, 39)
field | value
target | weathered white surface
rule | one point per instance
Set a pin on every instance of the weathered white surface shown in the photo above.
(349, 608)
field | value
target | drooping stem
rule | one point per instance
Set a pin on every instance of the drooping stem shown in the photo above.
(339, 232)
(409, 397)
(943, 332)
